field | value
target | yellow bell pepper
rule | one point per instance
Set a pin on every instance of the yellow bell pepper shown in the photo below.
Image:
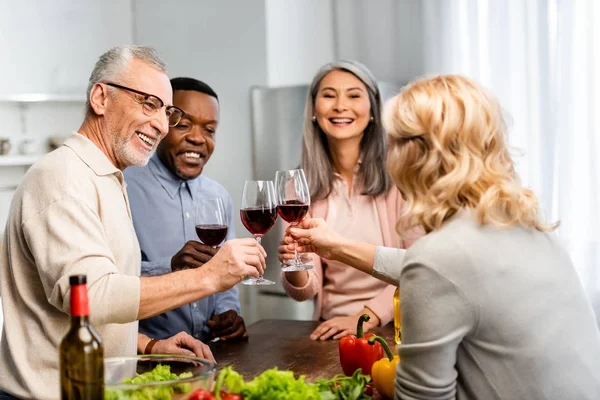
(383, 372)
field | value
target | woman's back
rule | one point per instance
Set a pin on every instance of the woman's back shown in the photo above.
(504, 307)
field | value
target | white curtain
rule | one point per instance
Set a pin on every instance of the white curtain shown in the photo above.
(542, 59)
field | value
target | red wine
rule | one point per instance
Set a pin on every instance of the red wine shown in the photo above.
(211, 234)
(292, 211)
(258, 221)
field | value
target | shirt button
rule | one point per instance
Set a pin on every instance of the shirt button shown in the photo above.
(187, 215)
(194, 305)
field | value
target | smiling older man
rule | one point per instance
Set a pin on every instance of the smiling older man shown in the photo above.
(71, 215)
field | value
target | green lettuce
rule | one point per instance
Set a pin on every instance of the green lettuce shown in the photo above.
(160, 373)
(270, 385)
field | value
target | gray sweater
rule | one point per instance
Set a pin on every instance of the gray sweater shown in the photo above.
(491, 314)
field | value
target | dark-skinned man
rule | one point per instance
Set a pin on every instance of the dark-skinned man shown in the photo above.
(163, 195)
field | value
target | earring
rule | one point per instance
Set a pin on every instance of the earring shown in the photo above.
(371, 119)
(314, 118)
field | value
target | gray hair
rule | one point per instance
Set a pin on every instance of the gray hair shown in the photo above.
(115, 61)
(316, 157)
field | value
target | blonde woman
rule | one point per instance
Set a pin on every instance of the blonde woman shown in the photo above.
(491, 304)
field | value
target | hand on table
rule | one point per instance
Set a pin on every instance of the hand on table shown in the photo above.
(338, 327)
(228, 326)
(183, 344)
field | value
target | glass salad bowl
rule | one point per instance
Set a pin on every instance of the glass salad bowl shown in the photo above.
(156, 377)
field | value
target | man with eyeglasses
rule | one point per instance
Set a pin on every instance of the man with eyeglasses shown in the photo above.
(71, 215)
(163, 196)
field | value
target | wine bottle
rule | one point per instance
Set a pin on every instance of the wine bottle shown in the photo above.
(81, 353)
(397, 317)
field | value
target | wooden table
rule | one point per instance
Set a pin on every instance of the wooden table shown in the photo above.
(286, 345)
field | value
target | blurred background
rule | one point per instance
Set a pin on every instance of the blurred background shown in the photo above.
(540, 57)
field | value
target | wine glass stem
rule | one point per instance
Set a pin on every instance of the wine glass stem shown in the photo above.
(258, 239)
(297, 260)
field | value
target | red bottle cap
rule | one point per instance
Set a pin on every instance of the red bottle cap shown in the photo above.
(79, 296)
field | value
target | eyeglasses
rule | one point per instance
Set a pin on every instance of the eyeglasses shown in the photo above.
(151, 104)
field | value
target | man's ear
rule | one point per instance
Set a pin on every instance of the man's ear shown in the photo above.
(99, 98)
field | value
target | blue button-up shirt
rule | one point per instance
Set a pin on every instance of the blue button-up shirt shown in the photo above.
(162, 206)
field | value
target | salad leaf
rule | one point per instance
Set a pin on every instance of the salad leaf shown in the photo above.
(160, 373)
(234, 381)
(342, 387)
(272, 384)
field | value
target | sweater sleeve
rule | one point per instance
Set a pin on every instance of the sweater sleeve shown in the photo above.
(75, 243)
(436, 316)
(388, 264)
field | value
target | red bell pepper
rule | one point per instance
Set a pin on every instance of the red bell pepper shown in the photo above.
(356, 352)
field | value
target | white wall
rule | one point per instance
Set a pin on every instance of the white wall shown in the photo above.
(50, 46)
(385, 35)
(299, 39)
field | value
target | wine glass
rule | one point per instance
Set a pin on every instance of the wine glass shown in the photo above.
(293, 201)
(258, 214)
(211, 220)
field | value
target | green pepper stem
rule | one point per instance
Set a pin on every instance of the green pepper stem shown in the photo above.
(359, 326)
(385, 346)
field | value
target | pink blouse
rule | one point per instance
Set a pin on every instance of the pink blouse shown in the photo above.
(338, 289)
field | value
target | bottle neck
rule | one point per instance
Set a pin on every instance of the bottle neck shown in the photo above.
(80, 309)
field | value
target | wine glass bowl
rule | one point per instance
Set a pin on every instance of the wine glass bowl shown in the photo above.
(293, 202)
(258, 214)
(211, 220)
(258, 221)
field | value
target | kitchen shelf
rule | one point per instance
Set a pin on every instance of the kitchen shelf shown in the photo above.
(42, 98)
(18, 161)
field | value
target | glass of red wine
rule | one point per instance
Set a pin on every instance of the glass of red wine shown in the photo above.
(211, 220)
(293, 201)
(258, 214)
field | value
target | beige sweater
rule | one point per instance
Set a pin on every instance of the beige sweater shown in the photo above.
(70, 215)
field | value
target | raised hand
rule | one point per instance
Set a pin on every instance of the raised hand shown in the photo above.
(237, 259)
(313, 236)
(192, 255)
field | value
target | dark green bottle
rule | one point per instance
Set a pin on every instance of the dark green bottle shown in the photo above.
(81, 353)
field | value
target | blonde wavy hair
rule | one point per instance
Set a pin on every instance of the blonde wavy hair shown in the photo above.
(448, 151)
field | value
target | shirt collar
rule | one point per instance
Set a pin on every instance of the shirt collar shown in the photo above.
(91, 155)
(168, 180)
